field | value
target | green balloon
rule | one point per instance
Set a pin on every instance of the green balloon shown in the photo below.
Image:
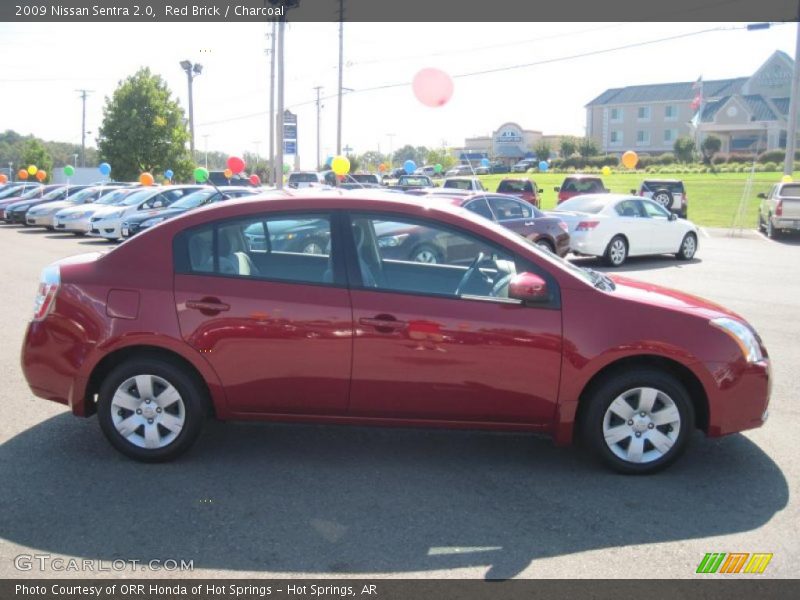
(201, 174)
(286, 169)
(69, 170)
(437, 167)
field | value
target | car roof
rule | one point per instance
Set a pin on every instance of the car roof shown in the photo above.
(607, 198)
(582, 176)
(664, 180)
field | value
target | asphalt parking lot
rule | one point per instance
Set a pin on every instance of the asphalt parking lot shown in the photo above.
(287, 501)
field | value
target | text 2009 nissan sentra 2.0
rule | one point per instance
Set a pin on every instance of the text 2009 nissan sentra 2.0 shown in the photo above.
(231, 312)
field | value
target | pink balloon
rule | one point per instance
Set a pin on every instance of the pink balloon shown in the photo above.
(432, 87)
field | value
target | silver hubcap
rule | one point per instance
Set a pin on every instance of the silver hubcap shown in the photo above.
(662, 199)
(544, 246)
(617, 252)
(688, 246)
(312, 249)
(641, 425)
(425, 256)
(148, 411)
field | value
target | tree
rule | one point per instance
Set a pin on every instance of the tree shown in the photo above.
(34, 153)
(684, 149)
(587, 147)
(542, 150)
(408, 152)
(710, 146)
(143, 130)
(371, 159)
(569, 145)
(440, 157)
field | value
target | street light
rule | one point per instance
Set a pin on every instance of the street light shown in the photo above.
(192, 71)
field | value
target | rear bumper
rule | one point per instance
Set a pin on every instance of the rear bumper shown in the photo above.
(786, 223)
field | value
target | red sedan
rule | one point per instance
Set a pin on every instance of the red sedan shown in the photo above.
(193, 319)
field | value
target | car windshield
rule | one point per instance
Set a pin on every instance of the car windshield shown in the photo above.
(113, 198)
(80, 197)
(409, 180)
(136, 197)
(10, 191)
(194, 200)
(365, 178)
(582, 186)
(515, 186)
(303, 178)
(35, 193)
(584, 204)
(674, 187)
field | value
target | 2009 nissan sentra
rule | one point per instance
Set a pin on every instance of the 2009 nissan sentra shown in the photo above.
(193, 319)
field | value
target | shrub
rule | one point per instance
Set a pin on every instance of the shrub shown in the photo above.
(668, 158)
(741, 158)
(719, 159)
(770, 166)
(772, 156)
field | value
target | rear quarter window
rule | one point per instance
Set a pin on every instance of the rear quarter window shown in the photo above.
(790, 191)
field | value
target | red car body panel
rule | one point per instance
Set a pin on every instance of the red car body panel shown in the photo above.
(285, 351)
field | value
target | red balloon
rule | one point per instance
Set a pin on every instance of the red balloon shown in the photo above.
(432, 87)
(236, 164)
(255, 179)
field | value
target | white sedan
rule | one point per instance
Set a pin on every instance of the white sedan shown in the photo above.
(43, 215)
(77, 219)
(107, 222)
(616, 226)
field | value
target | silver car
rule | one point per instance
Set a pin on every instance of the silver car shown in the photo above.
(780, 209)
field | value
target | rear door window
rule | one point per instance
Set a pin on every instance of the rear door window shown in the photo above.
(508, 209)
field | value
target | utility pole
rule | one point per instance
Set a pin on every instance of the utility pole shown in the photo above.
(791, 131)
(390, 136)
(256, 143)
(341, 57)
(272, 177)
(205, 144)
(319, 106)
(279, 153)
(192, 71)
(84, 94)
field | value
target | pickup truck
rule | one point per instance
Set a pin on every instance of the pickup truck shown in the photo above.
(780, 209)
(412, 182)
(472, 184)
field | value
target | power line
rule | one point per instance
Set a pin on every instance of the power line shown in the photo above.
(507, 67)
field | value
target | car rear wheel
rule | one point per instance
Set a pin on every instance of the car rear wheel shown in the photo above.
(638, 421)
(545, 245)
(771, 231)
(151, 410)
(616, 251)
(688, 247)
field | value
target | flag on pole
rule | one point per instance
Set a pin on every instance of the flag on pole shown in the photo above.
(697, 87)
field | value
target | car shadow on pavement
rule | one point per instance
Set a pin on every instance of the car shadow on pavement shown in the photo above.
(634, 263)
(316, 499)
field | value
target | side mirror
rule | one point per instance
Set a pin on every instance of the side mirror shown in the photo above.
(556, 189)
(633, 192)
(762, 195)
(673, 217)
(528, 287)
(541, 191)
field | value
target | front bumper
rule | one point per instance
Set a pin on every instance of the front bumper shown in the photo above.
(40, 220)
(81, 225)
(739, 400)
(106, 228)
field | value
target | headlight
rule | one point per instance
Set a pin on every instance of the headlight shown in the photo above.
(392, 241)
(742, 335)
(151, 222)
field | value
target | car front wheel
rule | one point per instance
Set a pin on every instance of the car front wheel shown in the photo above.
(688, 247)
(639, 421)
(151, 410)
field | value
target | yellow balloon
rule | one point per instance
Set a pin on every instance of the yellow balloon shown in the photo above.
(786, 179)
(606, 170)
(340, 165)
(32, 170)
(629, 159)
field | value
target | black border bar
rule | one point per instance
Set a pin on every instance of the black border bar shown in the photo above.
(150, 11)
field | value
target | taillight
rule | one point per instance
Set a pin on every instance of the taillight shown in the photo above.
(46, 294)
(779, 208)
(587, 225)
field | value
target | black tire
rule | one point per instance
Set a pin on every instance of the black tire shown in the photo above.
(192, 393)
(663, 198)
(761, 226)
(612, 388)
(771, 231)
(315, 243)
(616, 252)
(546, 245)
(426, 250)
(688, 247)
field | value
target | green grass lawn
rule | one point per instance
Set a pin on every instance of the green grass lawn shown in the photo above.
(713, 197)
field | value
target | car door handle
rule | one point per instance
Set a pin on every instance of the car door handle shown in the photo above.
(383, 323)
(208, 305)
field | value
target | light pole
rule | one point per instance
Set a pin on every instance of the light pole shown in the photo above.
(192, 71)
(205, 145)
(272, 171)
(341, 58)
(319, 106)
(281, 69)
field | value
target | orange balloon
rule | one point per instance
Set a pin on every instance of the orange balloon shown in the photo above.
(228, 173)
(23, 174)
(146, 179)
(629, 159)
(381, 167)
(3, 178)
(41, 175)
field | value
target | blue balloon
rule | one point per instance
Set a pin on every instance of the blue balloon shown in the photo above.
(168, 174)
(484, 162)
(105, 169)
(543, 166)
(328, 161)
(409, 166)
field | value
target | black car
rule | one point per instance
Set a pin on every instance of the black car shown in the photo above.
(137, 223)
(218, 179)
(498, 167)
